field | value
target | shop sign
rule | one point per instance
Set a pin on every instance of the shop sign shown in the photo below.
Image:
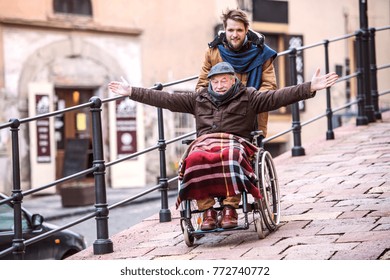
(42, 103)
(126, 127)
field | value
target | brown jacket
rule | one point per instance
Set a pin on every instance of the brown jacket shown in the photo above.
(213, 56)
(236, 115)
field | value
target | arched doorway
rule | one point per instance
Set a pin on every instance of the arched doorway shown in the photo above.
(74, 125)
(76, 70)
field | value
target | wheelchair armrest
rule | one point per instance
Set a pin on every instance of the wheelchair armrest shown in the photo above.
(257, 133)
(257, 137)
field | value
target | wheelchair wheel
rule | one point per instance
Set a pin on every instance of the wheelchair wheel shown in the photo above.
(191, 221)
(258, 222)
(188, 237)
(190, 208)
(270, 191)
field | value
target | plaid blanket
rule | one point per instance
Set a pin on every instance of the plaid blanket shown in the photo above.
(217, 165)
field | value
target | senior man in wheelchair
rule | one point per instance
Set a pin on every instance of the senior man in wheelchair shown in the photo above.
(217, 163)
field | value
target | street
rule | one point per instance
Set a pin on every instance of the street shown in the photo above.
(120, 218)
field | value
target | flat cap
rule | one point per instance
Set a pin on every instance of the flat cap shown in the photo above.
(221, 68)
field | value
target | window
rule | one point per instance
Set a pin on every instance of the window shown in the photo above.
(282, 42)
(77, 7)
(184, 123)
(7, 219)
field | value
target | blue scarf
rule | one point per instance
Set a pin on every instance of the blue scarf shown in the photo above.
(250, 61)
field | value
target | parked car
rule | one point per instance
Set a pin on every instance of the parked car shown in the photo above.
(58, 246)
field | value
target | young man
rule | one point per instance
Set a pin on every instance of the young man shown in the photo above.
(225, 114)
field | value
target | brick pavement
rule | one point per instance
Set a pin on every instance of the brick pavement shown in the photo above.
(335, 205)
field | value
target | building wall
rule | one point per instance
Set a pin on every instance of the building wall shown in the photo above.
(148, 42)
(320, 20)
(137, 37)
(66, 51)
(329, 20)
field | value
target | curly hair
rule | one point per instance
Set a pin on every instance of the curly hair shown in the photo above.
(236, 15)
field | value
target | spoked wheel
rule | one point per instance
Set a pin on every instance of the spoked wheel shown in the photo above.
(269, 188)
(270, 191)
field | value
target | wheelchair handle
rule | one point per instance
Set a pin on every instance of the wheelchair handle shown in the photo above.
(187, 141)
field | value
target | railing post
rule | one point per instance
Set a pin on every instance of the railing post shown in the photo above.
(361, 118)
(368, 107)
(165, 213)
(17, 241)
(347, 83)
(103, 245)
(297, 150)
(329, 113)
(373, 72)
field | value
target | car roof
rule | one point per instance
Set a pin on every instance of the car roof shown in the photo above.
(4, 196)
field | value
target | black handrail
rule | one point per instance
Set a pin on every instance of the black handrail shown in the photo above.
(103, 244)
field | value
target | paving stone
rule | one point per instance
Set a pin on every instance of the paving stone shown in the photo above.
(382, 227)
(175, 257)
(379, 213)
(385, 256)
(179, 250)
(353, 214)
(359, 202)
(156, 243)
(367, 250)
(218, 254)
(380, 204)
(316, 251)
(364, 236)
(296, 209)
(380, 189)
(354, 255)
(264, 253)
(306, 240)
(299, 198)
(383, 220)
(385, 195)
(306, 231)
(310, 216)
(356, 228)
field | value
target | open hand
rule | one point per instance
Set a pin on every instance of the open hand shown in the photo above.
(320, 82)
(122, 88)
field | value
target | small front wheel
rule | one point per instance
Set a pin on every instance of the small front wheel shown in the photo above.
(258, 222)
(188, 237)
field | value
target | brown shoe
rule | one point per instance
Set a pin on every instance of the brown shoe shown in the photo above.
(229, 217)
(209, 219)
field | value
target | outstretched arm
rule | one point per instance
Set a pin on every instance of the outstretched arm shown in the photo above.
(183, 102)
(320, 82)
(263, 101)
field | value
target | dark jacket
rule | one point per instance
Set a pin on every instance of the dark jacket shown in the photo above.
(235, 115)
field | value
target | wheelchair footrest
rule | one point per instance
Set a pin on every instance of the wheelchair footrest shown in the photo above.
(240, 227)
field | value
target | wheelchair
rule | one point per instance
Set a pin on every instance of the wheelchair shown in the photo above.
(265, 211)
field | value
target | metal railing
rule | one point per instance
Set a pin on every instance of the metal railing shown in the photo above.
(368, 110)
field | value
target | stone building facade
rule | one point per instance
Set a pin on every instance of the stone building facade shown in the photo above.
(67, 51)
